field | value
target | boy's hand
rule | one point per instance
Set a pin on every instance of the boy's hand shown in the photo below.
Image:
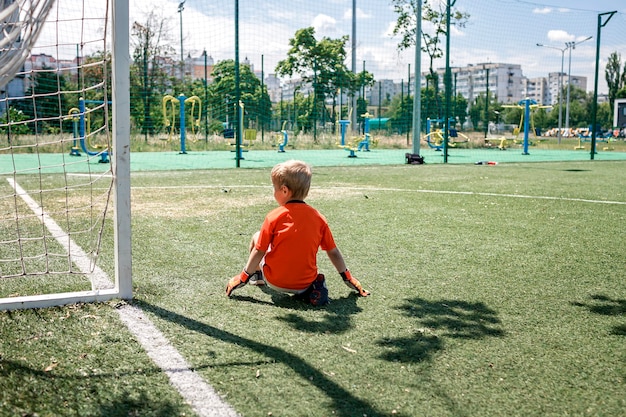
(237, 281)
(354, 283)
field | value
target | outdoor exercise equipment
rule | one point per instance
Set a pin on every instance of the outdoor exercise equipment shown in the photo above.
(434, 135)
(249, 135)
(343, 128)
(528, 106)
(585, 136)
(358, 143)
(74, 114)
(282, 138)
(182, 101)
(80, 122)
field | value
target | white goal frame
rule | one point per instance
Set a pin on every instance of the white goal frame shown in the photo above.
(102, 288)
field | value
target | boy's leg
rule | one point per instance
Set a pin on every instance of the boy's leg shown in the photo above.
(257, 276)
(317, 293)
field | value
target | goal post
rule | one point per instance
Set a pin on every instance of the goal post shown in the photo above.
(121, 148)
(64, 208)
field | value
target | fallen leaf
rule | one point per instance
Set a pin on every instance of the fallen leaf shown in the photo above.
(51, 366)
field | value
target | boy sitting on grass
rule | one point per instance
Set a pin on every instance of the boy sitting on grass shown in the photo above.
(283, 253)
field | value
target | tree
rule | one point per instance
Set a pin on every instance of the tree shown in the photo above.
(615, 76)
(435, 13)
(399, 111)
(14, 116)
(579, 108)
(256, 101)
(47, 102)
(95, 70)
(477, 111)
(147, 74)
(321, 64)
(363, 79)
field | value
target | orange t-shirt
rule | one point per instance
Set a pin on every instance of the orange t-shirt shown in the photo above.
(293, 233)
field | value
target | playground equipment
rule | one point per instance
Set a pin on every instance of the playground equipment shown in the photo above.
(282, 138)
(74, 114)
(434, 135)
(182, 101)
(585, 136)
(249, 135)
(492, 132)
(358, 143)
(81, 130)
(526, 120)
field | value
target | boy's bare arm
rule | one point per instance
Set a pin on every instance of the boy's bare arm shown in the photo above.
(254, 260)
(336, 258)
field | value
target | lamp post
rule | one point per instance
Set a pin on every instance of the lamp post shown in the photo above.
(182, 57)
(206, 100)
(486, 69)
(560, 86)
(295, 110)
(570, 46)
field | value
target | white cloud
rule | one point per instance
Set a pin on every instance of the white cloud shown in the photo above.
(544, 10)
(557, 35)
(388, 33)
(324, 25)
(360, 14)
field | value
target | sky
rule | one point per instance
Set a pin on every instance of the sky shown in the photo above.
(504, 31)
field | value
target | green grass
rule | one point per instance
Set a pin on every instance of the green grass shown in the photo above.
(483, 303)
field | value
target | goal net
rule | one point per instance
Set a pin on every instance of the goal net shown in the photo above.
(64, 166)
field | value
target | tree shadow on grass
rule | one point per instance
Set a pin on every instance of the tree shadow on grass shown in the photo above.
(606, 306)
(76, 389)
(441, 319)
(344, 403)
(133, 404)
(335, 315)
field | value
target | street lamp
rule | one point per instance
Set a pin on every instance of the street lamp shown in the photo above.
(295, 110)
(570, 46)
(560, 85)
(206, 100)
(182, 57)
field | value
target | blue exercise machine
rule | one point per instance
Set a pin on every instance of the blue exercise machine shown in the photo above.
(79, 119)
(358, 143)
(285, 138)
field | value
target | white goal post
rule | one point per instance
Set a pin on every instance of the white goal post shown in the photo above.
(64, 209)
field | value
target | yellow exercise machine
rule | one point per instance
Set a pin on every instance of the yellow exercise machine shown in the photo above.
(169, 103)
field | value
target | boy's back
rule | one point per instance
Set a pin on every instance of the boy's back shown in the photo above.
(293, 233)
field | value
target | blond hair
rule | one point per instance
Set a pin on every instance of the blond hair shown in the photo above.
(295, 175)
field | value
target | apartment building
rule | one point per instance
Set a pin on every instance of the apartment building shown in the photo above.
(556, 79)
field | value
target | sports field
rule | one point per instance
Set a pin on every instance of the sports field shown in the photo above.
(201, 160)
(496, 291)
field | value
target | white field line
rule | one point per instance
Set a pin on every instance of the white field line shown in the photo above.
(98, 277)
(198, 394)
(405, 190)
